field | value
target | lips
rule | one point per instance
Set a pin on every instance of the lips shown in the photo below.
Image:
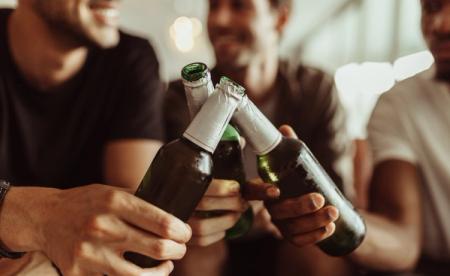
(105, 12)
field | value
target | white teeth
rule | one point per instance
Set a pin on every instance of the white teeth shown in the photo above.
(108, 12)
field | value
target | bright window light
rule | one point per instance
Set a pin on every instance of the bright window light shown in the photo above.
(183, 32)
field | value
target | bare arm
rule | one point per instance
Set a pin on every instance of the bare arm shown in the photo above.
(126, 161)
(85, 230)
(394, 221)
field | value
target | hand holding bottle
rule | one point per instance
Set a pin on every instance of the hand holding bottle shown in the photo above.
(219, 210)
(303, 220)
(85, 230)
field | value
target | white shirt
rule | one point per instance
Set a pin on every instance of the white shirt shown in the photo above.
(412, 123)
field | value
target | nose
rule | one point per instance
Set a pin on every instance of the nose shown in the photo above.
(222, 16)
(441, 23)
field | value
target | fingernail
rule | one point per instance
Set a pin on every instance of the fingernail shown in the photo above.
(273, 192)
(330, 228)
(189, 229)
(317, 201)
(333, 213)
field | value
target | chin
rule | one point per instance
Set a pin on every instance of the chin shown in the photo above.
(104, 39)
(443, 70)
(233, 62)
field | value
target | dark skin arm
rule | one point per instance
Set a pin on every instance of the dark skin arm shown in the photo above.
(394, 220)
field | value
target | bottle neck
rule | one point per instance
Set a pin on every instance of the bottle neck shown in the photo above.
(259, 132)
(197, 92)
(230, 134)
(209, 124)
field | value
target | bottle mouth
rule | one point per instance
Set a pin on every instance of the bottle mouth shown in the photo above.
(194, 71)
(237, 88)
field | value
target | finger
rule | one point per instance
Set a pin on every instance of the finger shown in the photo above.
(223, 188)
(269, 226)
(314, 237)
(105, 261)
(258, 190)
(310, 222)
(150, 245)
(163, 269)
(242, 142)
(207, 240)
(152, 219)
(76, 271)
(205, 227)
(287, 131)
(236, 204)
(295, 207)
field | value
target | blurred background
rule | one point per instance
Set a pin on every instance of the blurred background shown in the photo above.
(367, 45)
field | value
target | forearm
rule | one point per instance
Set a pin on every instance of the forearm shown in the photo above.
(388, 246)
(21, 215)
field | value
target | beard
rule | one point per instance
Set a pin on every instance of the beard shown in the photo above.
(59, 24)
(443, 70)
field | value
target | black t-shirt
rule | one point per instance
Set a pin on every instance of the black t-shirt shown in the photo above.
(57, 138)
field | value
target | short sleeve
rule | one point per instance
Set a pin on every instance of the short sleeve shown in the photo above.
(387, 133)
(139, 112)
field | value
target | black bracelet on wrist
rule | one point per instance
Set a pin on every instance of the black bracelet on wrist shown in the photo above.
(4, 253)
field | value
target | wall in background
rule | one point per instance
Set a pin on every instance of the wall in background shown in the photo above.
(336, 35)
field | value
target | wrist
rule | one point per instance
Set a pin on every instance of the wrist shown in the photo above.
(22, 217)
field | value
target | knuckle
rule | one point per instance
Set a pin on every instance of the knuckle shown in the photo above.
(95, 227)
(81, 250)
(166, 226)
(161, 249)
(113, 198)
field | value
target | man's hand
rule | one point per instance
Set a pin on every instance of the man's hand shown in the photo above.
(86, 230)
(302, 220)
(224, 201)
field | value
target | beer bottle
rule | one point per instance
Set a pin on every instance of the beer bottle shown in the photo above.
(182, 169)
(289, 164)
(227, 158)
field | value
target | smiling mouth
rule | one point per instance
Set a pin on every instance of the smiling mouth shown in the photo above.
(105, 12)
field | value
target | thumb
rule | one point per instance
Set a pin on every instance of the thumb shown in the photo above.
(256, 189)
(164, 269)
(287, 131)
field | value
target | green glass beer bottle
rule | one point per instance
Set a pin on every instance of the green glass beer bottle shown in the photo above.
(227, 159)
(182, 169)
(289, 164)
